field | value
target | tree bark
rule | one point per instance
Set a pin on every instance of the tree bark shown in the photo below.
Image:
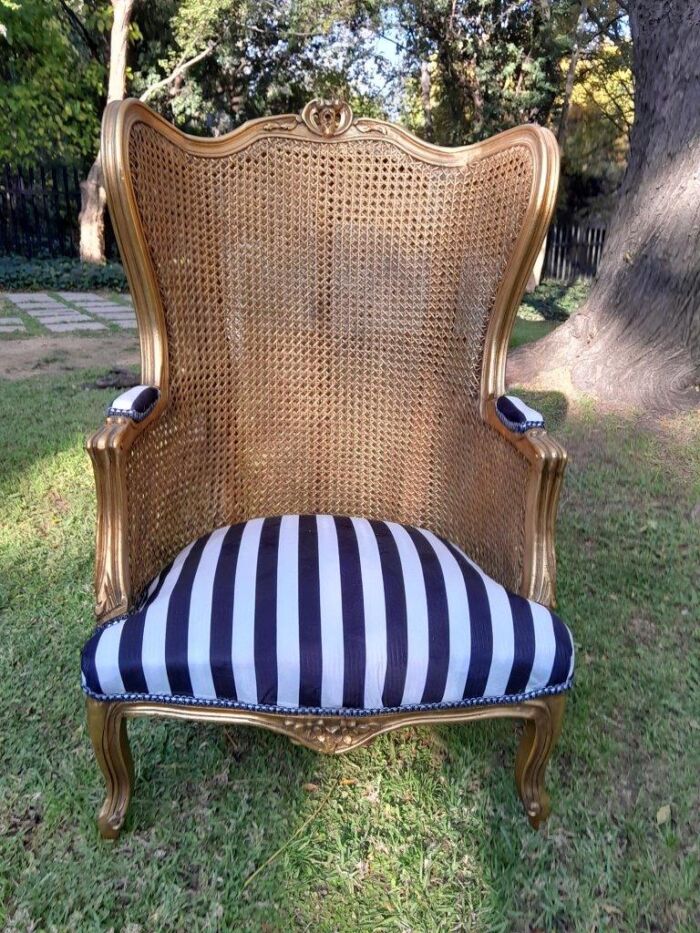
(637, 338)
(425, 99)
(571, 72)
(92, 194)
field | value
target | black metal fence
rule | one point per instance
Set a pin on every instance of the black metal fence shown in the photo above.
(573, 251)
(39, 209)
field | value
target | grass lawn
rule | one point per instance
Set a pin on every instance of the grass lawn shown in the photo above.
(422, 831)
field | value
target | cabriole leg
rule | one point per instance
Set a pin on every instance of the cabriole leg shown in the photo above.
(107, 727)
(539, 738)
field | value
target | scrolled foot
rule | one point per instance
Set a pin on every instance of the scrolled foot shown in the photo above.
(541, 732)
(107, 728)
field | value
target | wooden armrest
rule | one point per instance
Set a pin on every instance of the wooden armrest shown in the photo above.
(109, 449)
(547, 459)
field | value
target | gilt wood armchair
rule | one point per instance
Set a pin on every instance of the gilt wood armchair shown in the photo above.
(320, 514)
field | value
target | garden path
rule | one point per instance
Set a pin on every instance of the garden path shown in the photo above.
(66, 312)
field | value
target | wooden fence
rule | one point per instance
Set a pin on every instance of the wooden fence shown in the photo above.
(573, 251)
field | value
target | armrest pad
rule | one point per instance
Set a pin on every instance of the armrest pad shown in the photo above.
(135, 403)
(516, 415)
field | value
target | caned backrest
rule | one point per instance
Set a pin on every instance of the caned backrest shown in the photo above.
(325, 303)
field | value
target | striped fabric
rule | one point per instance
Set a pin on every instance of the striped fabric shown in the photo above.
(516, 415)
(135, 403)
(322, 613)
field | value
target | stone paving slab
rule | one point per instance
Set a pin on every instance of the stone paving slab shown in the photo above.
(62, 319)
(81, 299)
(87, 325)
(106, 309)
(115, 309)
(11, 328)
(38, 305)
(72, 296)
(66, 313)
(20, 297)
(11, 320)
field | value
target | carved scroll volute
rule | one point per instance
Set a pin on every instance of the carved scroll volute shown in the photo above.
(327, 117)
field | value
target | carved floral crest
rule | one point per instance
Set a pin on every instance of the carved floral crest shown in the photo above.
(327, 117)
(331, 735)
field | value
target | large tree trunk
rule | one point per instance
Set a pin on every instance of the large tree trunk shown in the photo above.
(637, 338)
(92, 193)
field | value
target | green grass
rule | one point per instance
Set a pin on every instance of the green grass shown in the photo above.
(423, 830)
(525, 331)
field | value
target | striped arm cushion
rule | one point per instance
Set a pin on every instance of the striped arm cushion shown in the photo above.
(135, 403)
(328, 614)
(516, 415)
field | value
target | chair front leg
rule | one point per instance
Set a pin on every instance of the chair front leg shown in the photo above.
(541, 732)
(107, 727)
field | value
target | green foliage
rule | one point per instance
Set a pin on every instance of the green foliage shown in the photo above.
(453, 71)
(542, 310)
(20, 274)
(49, 87)
(553, 301)
(600, 120)
(422, 830)
(260, 58)
(491, 65)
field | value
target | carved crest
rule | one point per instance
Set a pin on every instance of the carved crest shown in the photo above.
(327, 117)
(331, 735)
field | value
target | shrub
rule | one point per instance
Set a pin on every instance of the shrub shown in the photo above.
(22, 274)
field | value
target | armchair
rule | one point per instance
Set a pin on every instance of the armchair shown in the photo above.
(286, 504)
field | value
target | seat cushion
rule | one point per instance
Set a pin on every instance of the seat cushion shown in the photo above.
(328, 614)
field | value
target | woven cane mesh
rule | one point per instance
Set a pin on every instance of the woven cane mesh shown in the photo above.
(326, 306)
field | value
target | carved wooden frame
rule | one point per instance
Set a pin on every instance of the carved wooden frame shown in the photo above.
(324, 122)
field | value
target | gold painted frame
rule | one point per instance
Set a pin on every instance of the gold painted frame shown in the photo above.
(109, 447)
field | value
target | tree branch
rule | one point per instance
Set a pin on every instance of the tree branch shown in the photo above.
(179, 70)
(82, 30)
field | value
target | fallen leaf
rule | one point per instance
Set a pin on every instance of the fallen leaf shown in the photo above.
(310, 786)
(663, 814)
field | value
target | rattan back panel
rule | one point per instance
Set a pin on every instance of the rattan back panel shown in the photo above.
(326, 306)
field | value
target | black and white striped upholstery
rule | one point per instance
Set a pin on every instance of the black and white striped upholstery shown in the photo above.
(321, 613)
(135, 403)
(516, 415)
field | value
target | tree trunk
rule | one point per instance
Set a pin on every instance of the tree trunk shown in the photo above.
(571, 72)
(425, 99)
(92, 194)
(637, 338)
(93, 201)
